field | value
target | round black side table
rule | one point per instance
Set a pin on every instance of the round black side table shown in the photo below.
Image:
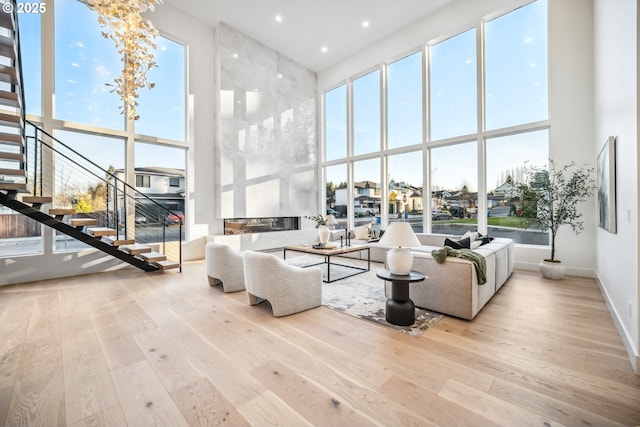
(400, 309)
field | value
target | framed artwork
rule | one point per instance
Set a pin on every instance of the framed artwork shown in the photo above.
(606, 171)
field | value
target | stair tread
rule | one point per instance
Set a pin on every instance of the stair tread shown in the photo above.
(83, 221)
(152, 256)
(101, 231)
(61, 211)
(8, 74)
(8, 185)
(117, 242)
(136, 249)
(9, 99)
(6, 47)
(10, 138)
(13, 172)
(37, 199)
(167, 264)
(6, 21)
(12, 156)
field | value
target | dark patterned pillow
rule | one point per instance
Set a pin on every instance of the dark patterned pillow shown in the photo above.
(484, 239)
(458, 244)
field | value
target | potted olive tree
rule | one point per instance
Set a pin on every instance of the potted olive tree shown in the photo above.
(549, 198)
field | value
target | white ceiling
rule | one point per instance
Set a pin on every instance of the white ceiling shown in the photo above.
(308, 25)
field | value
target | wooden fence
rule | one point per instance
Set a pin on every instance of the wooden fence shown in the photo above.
(17, 225)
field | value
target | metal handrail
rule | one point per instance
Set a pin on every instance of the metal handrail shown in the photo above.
(107, 179)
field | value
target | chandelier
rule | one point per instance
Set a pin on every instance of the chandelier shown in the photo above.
(134, 37)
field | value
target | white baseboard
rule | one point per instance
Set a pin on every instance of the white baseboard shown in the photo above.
(632, 352)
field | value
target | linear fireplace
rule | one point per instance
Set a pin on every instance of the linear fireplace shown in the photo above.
(260, 225)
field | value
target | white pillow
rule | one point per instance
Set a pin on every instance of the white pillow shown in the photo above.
(472, 235)
(362, 232)
(475, 243)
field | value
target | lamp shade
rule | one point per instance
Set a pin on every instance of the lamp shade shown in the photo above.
(400, 234)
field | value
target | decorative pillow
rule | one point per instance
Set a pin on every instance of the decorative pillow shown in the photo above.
(484, 239)
(476, 244)
(374, 234)
(472, 235)
(458, 244)
(362, 232)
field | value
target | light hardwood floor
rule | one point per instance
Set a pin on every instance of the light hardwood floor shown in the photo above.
(165, 349)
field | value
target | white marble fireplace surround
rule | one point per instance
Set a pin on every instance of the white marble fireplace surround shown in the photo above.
(266, 142)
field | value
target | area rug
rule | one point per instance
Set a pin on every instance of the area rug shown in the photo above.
(362, 295)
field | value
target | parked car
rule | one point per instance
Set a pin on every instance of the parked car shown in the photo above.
(173, 218)
(440, 215)
(359, 210)
(333, 212)
(140, 219)
(458, 211)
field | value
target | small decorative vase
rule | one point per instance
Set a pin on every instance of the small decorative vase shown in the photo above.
(553, 270)
(323, 234)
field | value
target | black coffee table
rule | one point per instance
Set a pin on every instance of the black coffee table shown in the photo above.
(400, 309)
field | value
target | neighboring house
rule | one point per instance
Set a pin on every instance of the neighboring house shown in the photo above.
(366, 194)
(164, 185)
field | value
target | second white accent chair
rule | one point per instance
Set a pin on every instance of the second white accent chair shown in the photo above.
(224, 267)
(288, 288)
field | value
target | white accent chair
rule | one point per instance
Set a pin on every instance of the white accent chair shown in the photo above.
(224, 267)
(288, 288)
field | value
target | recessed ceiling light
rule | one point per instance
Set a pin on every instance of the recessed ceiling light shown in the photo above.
(235, 55)
(278, 18)
(365, 24)
(324, 49)
(280, 75)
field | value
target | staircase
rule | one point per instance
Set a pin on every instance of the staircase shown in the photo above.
(24, 180)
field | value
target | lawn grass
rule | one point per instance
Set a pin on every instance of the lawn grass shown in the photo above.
(507, 221)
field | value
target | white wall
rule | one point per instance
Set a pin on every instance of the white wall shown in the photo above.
(571, 114)
(616, 114)
(199, 38)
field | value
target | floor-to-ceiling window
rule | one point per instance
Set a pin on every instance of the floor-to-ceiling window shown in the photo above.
(87, 115)
(484, 108)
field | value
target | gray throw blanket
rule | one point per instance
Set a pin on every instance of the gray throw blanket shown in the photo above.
(440, 255)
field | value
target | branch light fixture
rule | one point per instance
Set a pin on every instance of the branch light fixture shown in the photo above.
(134, 37)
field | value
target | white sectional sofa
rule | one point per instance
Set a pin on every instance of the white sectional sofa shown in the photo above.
(452, 287)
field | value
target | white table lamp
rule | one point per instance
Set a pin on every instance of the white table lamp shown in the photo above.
(400, 258)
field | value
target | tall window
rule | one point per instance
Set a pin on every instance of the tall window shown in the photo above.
(470, 141)
(454, 188)
(85, 62)
(453, 75)
(31, 52)
(336, 123)
(336, 193)
(404, 172)
(159, 164)
(516, 67)
(404, 101)
(366, 113)
(85, 188)
(506, 158)
(366, 195)
(169, 91)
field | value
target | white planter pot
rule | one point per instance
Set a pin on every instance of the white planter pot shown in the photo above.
(551, 270)
(323, 234)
